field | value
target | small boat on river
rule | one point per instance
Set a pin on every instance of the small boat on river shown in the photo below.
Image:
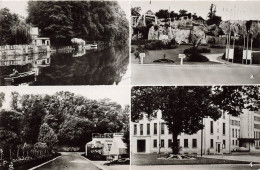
(20, 78)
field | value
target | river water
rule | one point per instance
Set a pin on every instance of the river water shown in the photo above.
(88, 67)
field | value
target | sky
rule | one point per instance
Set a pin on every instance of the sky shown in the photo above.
(20, 6)
(234, 10)
(119, 94)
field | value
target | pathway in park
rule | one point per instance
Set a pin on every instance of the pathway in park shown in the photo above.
(69, 161)
(214, 58)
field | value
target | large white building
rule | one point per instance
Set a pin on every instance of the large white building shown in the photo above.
(225, 135)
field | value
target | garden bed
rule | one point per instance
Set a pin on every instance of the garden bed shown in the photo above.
(29, 162)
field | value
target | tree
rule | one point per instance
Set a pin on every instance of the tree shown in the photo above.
(47, 135)
(182, 12)
(183, 108)
(90, 20)
(212, 17)
(162, 13)
(15, 100)
(135, 11)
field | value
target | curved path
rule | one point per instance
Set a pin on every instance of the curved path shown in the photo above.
(214, 57)
(69, 161)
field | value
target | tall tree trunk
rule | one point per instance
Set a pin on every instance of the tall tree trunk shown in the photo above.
(175, 146)
(246, 47)
(234, 39)
(251, 50)
(17, 153)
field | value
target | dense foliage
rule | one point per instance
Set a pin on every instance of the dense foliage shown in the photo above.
(183, 108)
(89, 20)
(63, 119)
(13, 29)
(159, 45)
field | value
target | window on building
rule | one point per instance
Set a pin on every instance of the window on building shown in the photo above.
(169, 131)
(236, 133)
(211, 127)
(162, 143)
(239, 133)
(232, 132)
(148, 128)
(211, 143)
(155, 129)
(169, 143)
(135, 129)
(162, 128)
(236, 142)
(141, 129)
(186, 144)
(194, 143)
(233, 142)
(224, 128)
(155, 143)
(224, 144)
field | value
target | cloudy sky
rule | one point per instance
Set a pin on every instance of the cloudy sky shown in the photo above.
(20, 6)
(119, 94)
(237, 10)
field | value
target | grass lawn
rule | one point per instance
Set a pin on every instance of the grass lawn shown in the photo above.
(172, 54)
(151, 159)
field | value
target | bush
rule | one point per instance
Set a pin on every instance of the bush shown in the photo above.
(217, 46)
(194, 55)
(155, 45)
(256, 58)
(200, 50)
(158, 45)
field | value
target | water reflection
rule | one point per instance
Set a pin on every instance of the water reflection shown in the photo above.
(88, 67)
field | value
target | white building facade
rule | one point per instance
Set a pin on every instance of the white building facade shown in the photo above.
(225, 135)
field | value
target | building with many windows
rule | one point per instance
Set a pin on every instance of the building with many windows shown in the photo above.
(225, 135)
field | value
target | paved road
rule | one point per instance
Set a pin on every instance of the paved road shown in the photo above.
(248, 158)
(197, 167)
(69, 161)
(194, 75)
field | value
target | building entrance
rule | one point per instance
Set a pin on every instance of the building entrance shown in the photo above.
(141, 145)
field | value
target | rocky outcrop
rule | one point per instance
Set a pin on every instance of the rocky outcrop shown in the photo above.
(181, 36)
(153, 34)
(166, 34)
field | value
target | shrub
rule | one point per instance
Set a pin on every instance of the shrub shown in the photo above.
(256, 58)
(158, 45)
(200, 50)
(194, 55)
(155, 45)
(217, 46)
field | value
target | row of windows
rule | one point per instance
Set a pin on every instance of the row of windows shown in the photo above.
(212, 128)
(235, 122)
(148, 129)
(186, 143)
(235, 142)
(236, 133)
(257, 135)
(256, 118)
